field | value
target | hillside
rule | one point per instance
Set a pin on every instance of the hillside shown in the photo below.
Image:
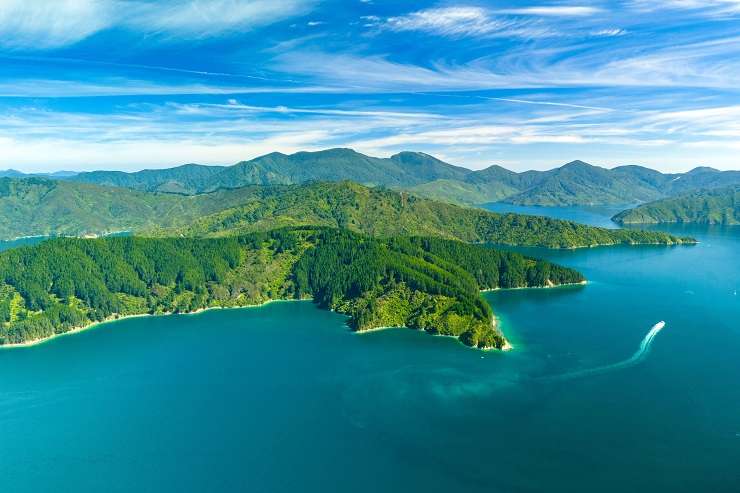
(383, 212)
(579, 183)
(38, 206)
(401, 170)
(427, 284)
(185, 179)
(715, 206)
(576, 183)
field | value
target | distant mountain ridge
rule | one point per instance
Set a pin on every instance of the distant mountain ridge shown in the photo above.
(575, 183)
(14, 173)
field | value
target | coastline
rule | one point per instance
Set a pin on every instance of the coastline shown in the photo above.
(116, 318)
(507, 346)
(554, 286)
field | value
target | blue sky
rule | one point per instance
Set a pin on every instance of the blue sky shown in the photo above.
(132, 84)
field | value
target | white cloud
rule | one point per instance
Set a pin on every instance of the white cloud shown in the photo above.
(49, 24)
(462, 22)
(702, 8)
(45, 24)
(162, 135)
(553, 11)
(609, 32)
(203, 18)
(713, 63)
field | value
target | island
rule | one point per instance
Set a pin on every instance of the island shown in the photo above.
(434, 284)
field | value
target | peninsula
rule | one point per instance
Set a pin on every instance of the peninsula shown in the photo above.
(432, 284)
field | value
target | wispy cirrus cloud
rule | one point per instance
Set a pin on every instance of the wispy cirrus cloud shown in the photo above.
(461, 21)
(708, 8)
(553, 11)
(48, 24)
(205, 18)
(713, 63)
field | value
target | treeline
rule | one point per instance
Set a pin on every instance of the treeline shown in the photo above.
(425, 283)
(518, 229)
(386, 213)
(714, 206)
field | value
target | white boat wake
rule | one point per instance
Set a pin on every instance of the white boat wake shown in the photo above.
(636, 358)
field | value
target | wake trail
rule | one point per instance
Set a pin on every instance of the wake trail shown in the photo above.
(636, 358)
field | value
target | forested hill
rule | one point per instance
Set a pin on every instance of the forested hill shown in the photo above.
(716, 206)
(401, 170)
(383, 212)
(575, 183)
(38, 206)
(423, 283)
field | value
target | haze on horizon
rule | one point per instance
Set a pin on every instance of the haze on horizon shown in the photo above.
(133, 84)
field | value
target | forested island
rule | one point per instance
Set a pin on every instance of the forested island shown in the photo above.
(715, 206)
(424, 283)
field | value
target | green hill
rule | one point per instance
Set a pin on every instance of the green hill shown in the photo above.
(185, 179)
(383, 212)
(580, 183)
(422, 283)
(401, 170)
(38, 206)
(576, 183)
(715, 206)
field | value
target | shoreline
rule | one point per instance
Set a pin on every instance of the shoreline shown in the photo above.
(114, 318)
(554, 286)
(507, 346)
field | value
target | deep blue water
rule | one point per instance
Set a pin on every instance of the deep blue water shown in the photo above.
(285, 398)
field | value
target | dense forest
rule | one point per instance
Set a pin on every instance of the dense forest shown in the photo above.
(425, 283)
(715, 206)
(383, 213)
(39, 206)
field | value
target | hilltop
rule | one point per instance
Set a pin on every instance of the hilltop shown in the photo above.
(575, 183)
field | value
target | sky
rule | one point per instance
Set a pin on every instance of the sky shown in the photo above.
(133, 84)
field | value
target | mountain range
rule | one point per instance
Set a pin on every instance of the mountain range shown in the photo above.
(575, 183)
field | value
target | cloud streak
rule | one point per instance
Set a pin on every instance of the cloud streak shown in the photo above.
(49, 24)
(458, 22)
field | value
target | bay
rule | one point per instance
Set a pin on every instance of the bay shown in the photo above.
(284, 398)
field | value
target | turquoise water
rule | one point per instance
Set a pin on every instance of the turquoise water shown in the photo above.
(285, 398)
(31, 240)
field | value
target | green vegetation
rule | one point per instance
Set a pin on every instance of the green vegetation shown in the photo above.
(185, 179)
(425, 283)
(383, 213)
(716, 206)
(576, 183)
(403, 169)
(580, 183)
(38, 206)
